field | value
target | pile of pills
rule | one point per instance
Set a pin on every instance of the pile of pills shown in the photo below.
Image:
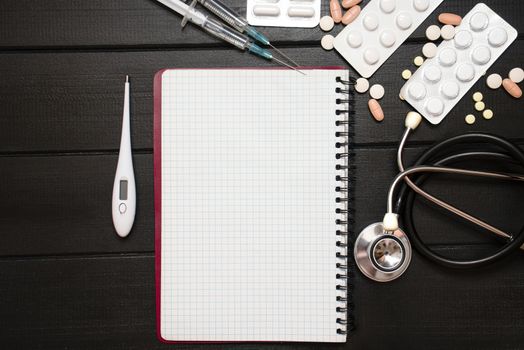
(376, 92)
(515, 76)
(480, 106)
(327, 23)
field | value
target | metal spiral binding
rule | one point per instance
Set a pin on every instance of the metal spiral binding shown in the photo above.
(344, 214)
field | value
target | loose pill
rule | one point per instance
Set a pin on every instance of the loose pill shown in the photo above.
(351, 14)
(429, 50)
(350, 3)
(376, 91)
(470, 119)
(512, 88)
(487, 114)
(418, 61)
(327, 42)
(516, 75)
(477, 96)
(449, 18)
(361, 85)
(376, 110)
(447, 32)
(266, 10)
(335, 10)
(480, 106)
(326, 23)
(401, 97)
(406, 74)
(494, 81)
(433, 32)
(305, 12)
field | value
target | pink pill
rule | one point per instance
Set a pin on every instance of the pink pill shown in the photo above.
(336, 11)
(449, 18)
(350, 3)
(351, 15)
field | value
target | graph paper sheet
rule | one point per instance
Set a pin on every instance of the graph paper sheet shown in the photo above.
(247, 239)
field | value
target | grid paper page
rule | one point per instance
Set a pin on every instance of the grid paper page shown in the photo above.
(248, 238)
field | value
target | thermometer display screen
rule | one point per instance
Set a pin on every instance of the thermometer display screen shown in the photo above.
(123, 190)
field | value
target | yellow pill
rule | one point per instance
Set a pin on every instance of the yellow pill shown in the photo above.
(487, 114)
(477, 96)
(401, 98)
(418, 61)
(479, 106)
(470, 119)
(406, 74)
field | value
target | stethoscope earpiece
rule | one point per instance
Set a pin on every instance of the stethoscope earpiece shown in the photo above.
(380, 255)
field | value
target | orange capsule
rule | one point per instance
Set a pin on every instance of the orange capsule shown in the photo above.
(350, 3)
(512, 88)
(336, 10)
(449, 18)
(376, 110)
(351, 15)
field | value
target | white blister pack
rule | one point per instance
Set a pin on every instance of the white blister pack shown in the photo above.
(436, 87)
(284, 13)
(383, 25)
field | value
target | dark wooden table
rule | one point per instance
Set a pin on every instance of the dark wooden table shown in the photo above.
(67, 280)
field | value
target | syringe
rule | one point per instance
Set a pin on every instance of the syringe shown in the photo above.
(220, 31)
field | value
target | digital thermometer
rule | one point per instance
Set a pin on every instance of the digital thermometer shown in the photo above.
(124, 190)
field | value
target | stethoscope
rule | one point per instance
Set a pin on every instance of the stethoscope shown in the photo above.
(383, 251)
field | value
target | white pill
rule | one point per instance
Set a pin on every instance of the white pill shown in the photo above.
(497, 37)
(516, 75)
(327, 42)
(305, 12)
(465, 72)
(362, 85)
(481, 55)
(447, 32)
(494, 81)
(435, 106)
(266, 10)
(376, 91)
(388, 6)
(470, 119)
(432, 74)
(479, 21)
(327, 23)
(433, 32)
(429, 50)
(447, 57)
(450, 89)
(421, 5)
(417, 91)
(404, 21)
(371, 56)
(370, 21)
(354, 39)
(387, 38)
(463, 39)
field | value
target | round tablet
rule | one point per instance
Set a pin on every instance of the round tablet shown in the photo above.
(404, 21)
(487, 114)
(432, 74)
(370, 21)
(497, 37)
(494, 81)
(417, 91)
(481, 55)
(421, 5)
(477, 96)
(371, 56)
(388, 6)
(516, 75)
(387, 38)
(418, 61)
(429, 50)
(450, 89)
(465, 72)
(376, 91)
(447, 57)
(463, 39)
(327, 42)
(406, 74)
(435, 106)
(447, 32)
(354, 39)
(479, 21)
(433, 32)
(327, 23)
(470, 119)
(480, 106)
(361, 85)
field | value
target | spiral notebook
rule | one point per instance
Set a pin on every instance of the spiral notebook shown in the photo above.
(251, 202)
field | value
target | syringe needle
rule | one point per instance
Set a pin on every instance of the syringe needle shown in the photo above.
(287, 65)
(284, 55)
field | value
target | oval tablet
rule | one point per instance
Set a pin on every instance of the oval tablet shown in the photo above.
(266, 10)
(327, 42)
(326, 23)
(420, 5)
(516, 75)
(450, 89)
(362, 85)
(305, 12)
(433, 32)
(354, 39)
(404, 21)
(371, 56)
(351, 14)
(479, 21)
(370, 22)
(449, 18)
(376, 91)
(350, 3)
(497, 37)
(494, 81)
(335, 10)
(376, 110)
(512, 88)
(429, 50)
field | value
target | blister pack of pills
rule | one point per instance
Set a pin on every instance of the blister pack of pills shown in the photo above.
(284, 13)
(436, 87)
(383, 25)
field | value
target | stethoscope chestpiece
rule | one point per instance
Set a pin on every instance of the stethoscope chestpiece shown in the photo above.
(382, 256)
